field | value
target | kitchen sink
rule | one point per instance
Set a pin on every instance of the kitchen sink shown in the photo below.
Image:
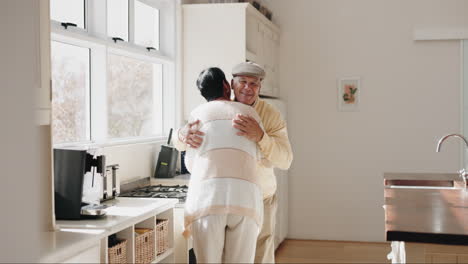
(423, 180)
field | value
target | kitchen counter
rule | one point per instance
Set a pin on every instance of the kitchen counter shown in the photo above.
(73, 237)
(427, 215)
(60, 245)
(125, 212)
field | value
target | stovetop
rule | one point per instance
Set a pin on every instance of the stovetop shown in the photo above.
(159, 191)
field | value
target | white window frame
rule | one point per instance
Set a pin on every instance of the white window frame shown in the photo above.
(88, 95)
(94, 37)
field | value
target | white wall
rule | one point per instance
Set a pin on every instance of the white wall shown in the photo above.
(135, 161)
(25, 190)
(23, 195)
(410, 97)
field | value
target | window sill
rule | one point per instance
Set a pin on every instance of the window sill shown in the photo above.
(113, 143)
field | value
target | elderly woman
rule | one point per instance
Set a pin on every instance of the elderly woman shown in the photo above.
(224, 207)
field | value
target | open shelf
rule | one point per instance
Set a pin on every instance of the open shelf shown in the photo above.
(126, 234)
(129, 234)
(168, 215)
(164, 255)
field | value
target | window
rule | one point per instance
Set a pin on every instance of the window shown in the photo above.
(117, 19)
(107, 89)
(132, 92)
(146, 25)
(68, 11)
(70, 79)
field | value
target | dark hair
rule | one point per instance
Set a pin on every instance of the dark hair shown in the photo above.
(210, 82)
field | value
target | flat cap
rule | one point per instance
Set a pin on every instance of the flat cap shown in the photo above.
(248, 69)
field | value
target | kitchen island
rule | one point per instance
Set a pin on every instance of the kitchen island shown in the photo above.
(430, 214)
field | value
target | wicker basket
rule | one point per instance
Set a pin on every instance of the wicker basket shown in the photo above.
(118, 253)
(162, 235)
(144, 245)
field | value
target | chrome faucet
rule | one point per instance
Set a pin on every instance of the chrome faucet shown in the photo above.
(450, 135)
(463, 173)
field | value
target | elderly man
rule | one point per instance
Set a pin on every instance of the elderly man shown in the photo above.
(224, 208)
(273, 143)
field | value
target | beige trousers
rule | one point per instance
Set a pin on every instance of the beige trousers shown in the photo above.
(265, 252)
(224, 238)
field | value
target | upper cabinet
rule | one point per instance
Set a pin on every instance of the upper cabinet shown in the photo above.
(262, 47)
(223, 35)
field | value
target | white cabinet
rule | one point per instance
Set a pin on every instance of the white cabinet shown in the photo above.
(90, 255)
(182, 245)
(269, 60)
(223, 35)
(281, 228)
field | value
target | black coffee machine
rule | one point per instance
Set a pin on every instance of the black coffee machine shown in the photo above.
(78, 184)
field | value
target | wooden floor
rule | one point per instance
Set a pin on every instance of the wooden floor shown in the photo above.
(313, 251)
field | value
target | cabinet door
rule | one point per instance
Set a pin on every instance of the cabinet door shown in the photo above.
(253, 40)
(275, 64)
(281, 226)
(279, 211)
(269, 61)
(266, 46)
(263, 60)
(223, 45)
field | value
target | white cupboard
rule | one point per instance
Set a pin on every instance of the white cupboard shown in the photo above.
(223, 35)
(90, 255)
(281, 227)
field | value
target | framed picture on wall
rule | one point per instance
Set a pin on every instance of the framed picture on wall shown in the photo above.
(349, 90)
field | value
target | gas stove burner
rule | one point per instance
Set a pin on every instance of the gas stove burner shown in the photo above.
(156, 188)
(138, 194)
(160, 191)
(175, 195)
(169, 188)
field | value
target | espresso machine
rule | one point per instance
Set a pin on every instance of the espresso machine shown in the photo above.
(78, 182)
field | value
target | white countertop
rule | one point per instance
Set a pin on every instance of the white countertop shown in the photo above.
(75, 236)
(60, 245)
(125, 212)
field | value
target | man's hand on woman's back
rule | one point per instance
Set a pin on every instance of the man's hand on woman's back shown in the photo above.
(248, 128)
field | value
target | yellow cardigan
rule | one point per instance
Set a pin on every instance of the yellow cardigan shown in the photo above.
(274, 146)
